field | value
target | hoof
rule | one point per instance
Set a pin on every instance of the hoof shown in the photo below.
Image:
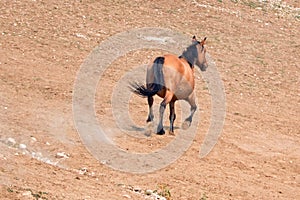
(161, 132)
(149, 119)
(185, 125)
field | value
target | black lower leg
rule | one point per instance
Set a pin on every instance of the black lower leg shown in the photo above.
(172, 116)
(160, 128)
(190, 118)
(150, 115)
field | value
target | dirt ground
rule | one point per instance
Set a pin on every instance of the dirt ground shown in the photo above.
(256, 48)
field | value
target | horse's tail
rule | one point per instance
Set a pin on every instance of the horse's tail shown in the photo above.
(158, 83)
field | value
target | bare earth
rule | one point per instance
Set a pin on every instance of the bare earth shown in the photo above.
(255, 46)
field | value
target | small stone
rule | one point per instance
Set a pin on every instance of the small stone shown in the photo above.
(22, 146)
(137, 189)
(26, 193)
(33, 139)
(11, 141)
(148, 192)
(104, 162)
(127, 196)
(83, 171)
(92, 174)
(79, 35)
(62, 155)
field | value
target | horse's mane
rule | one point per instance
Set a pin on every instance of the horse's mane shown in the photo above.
(190, 54)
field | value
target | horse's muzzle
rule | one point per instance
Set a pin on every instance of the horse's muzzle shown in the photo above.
(203, 67)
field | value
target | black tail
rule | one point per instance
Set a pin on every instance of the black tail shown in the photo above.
(152, 88)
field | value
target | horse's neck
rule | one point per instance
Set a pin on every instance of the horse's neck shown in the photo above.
(188, 56)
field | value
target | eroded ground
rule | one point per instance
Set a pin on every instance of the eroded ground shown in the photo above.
(255, 46)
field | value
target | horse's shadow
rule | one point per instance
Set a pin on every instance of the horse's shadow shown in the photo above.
(145, 131)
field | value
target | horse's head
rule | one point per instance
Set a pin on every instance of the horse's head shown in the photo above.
(200, 59)
(195, 54)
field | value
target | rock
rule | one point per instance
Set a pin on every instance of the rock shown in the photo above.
(104, 162)
(11, 141)
(83, 171)
(92, 174)
(127, 196)
(33, 139)
(148, 192)
(79, 35)
(26, 193)
(137, 189)
(22, 146)
(37, 155)
(62, 155)
(157, 196)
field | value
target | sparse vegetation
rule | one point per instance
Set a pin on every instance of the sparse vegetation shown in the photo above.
(28, 192)
(38, 195)
(204, 197)
(164, 191)
(9, 190)
(251, 4)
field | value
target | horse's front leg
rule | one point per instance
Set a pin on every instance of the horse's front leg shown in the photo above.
(187, 122)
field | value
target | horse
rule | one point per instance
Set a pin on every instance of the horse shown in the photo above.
(172, 78)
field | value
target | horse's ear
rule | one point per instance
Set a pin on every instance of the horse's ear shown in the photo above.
(194, 39)
(203, 41)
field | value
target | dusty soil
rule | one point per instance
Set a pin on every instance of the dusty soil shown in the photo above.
(256, 47)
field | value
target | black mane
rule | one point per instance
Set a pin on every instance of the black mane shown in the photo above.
(190, 54)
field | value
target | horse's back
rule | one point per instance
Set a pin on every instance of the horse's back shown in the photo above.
(175, 63)
(177, 73)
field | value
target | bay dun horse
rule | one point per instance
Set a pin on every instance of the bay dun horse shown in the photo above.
(172, 78)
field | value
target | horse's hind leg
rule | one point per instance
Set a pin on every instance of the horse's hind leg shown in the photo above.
(187, 122)
(150, 115)
(172, 117)
(167, 99)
